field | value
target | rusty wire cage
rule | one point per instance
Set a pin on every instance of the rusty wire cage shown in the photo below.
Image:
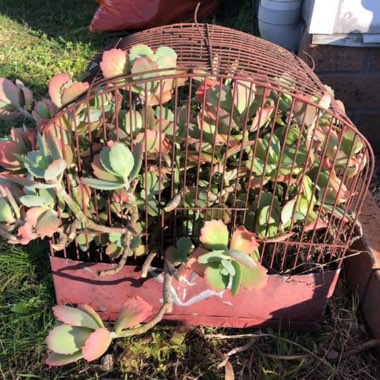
(234, 162)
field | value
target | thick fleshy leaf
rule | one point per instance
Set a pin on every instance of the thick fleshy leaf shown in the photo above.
(287, 211)
(100, 172)
(8, 160)
(55, 88)
(43, 110)
(215, 279)
(121, 160)
(236, 280)
(244, 240)
(26, 95)
(192, 265)
(153, 142)
(48, 223)
(74, 317)
(137, 158)
(55, 169)
(213, 257)
(140, 50)
(9, 93)
(6, 215)
(72, 92)
(102, 185)
(243, 258)
(65, 339)
(254, 278)
(56, 360)
(214, 235)
(92, 313)
(134, 311)
(114, 62)
(97, 344)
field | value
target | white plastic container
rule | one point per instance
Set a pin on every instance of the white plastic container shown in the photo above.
(280, 22)
(280, 12)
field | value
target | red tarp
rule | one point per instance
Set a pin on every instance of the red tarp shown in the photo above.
(132, 14)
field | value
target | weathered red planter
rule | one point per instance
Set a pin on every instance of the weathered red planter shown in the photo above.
(296, 302)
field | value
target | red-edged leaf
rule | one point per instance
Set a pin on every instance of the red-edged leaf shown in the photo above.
(25, 232)
(26, 95)
(55, 88)
(244, 240)
(74, 317)
(152, 143)
(192, 265)
(48, 223)
(256, 278)
(261, 117)
(56, 360)
(205, 86)
(65, 339)
(7, 158)
(114, 62)
(134, 311)
(9, 93)
(92, 313)
(214, 235)
(73, 92)
(97, 344)
(100, 172)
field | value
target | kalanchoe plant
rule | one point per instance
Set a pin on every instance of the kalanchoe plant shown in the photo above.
(146, 142)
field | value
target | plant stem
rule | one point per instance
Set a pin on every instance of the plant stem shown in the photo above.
(165, 308)
(78, 213)
(26, 114)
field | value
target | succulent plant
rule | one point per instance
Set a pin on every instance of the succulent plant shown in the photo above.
(82, 333)
(152, 141)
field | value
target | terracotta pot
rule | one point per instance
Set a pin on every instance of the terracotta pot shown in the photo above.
(296, 302)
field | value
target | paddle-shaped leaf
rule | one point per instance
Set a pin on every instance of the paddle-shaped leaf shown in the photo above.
(74, 317)
(65, 339)
(214, 235)
(114, 62)
(244, 240)
(55, 87)
(254, 279)
(215, 279)
(134, 311)
(6, 215)
(55, 360)
(121, 160)
(97, 344)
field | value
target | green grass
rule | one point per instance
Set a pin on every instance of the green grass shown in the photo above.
(39, 38)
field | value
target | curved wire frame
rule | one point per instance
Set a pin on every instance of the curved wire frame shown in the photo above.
(226, 56)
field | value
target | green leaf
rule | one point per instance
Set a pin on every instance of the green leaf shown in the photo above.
(214, 235)
(287, 211)
(215, 279)
(115, 237)
(236, 281)
(243, 258)
(138, 51)
(74, 317)
(184, 245)
(55, 169)
(121, 160)
(227, 265)
(213, 257)
(131, 121)
(253, 278)
(137, 158)
(135, 243)
(21, 308)
(55, 359)
(6, 215)
(102, 185)
(66, 339)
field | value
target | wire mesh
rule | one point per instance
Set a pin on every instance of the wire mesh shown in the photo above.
(232, 142)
